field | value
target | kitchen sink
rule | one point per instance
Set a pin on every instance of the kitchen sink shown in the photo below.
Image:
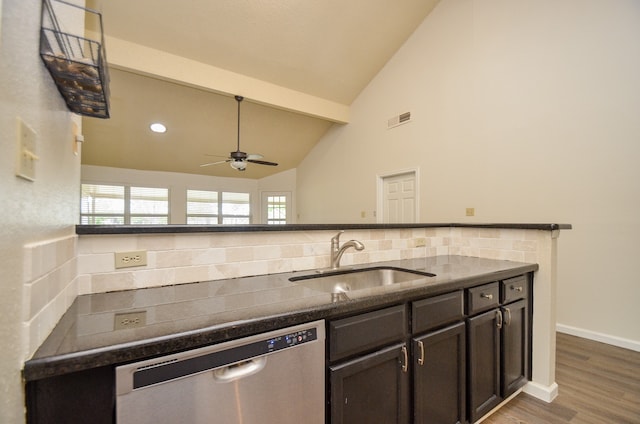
(340, 282)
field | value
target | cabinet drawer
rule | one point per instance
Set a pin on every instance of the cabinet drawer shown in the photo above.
(365, 332)
(437, 311)
(482, 298)
(515, 288)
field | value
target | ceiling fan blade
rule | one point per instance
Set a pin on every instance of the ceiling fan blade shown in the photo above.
(262, 162)
(216, 163)
(254, 156)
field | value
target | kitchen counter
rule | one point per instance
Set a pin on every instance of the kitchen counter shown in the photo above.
(188, 316)
(248, 228)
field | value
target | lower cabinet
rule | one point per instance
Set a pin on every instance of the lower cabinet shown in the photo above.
(439, 376)
(515, 346)
(380, 372)
(498, 343)
(371, 389)
(445, 359)
(484, 363)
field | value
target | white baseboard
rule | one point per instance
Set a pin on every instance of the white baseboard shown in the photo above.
(544, 393)
(599, 337)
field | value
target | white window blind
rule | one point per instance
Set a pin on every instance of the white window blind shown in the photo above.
(214, 207)
(236, 208)
(149, 206)
(102, 204)
(202, 207)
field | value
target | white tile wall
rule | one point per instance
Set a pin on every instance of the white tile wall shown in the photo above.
(50, 287)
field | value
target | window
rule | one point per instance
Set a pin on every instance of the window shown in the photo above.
(202, 207)
(149, 206)
(102, 204)
(276, 209)
(212, 207)
(118, 205)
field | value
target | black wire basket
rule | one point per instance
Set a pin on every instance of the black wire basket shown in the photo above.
(77, 63)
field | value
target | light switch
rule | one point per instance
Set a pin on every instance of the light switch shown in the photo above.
(26, 157)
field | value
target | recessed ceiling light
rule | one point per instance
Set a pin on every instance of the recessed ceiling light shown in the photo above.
(158, 127)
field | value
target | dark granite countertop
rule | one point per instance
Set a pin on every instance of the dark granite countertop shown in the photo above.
(188, 316)
(170, 229)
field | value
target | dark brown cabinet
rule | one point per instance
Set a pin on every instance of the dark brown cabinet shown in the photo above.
(515, 347)
(421, 382)
(439, 359)
(368, 371)
(483, 349)
(498, 342)
(439, 375)
(371, 389)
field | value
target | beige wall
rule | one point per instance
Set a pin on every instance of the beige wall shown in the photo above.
(526, 111)
(33, 212)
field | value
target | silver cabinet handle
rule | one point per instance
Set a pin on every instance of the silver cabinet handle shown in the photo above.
(486, 296)
(507, 320)
(421, 358)
(516, 288)
(405, 364)
(498, 319)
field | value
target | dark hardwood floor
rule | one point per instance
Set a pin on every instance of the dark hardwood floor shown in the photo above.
(598, 384)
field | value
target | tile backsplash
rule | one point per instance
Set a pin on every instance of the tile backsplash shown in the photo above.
(56, 271)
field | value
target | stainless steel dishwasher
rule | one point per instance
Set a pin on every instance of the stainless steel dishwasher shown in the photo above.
(275, 377)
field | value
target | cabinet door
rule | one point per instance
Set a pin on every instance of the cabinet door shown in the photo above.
(515, 346)
(439, 364)
(483, 355)
(371, 389)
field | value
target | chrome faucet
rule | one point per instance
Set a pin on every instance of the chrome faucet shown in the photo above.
(337, 251)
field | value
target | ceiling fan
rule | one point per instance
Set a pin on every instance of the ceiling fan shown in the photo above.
(238, 160)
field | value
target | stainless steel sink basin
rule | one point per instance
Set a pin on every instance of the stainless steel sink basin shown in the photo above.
(340, 283)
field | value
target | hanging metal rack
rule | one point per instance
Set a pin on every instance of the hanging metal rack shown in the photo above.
(78, 64)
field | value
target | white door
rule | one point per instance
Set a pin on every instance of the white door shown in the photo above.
(276, 207)
(399, 198)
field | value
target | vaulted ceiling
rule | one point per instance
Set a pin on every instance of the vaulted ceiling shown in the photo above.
(299, 65)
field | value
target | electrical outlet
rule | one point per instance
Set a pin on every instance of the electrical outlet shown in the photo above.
(471, 211)
(130, 320)
(420, 242)
(130, 259)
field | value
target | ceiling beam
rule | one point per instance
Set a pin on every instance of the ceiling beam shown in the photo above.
(154, 63)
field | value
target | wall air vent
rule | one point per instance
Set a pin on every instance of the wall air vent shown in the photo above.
(403, 118)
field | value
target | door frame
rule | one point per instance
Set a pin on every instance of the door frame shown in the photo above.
(380, 191)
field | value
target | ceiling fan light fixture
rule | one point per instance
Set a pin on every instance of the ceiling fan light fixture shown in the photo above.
(240, 165)
(157, 127)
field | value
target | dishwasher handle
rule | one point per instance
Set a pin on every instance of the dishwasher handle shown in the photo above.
(240, 370)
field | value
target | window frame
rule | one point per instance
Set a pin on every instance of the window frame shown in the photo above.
(220, 215)
(126, 215)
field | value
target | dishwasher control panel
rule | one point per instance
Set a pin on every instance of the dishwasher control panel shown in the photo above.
(292, 339)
